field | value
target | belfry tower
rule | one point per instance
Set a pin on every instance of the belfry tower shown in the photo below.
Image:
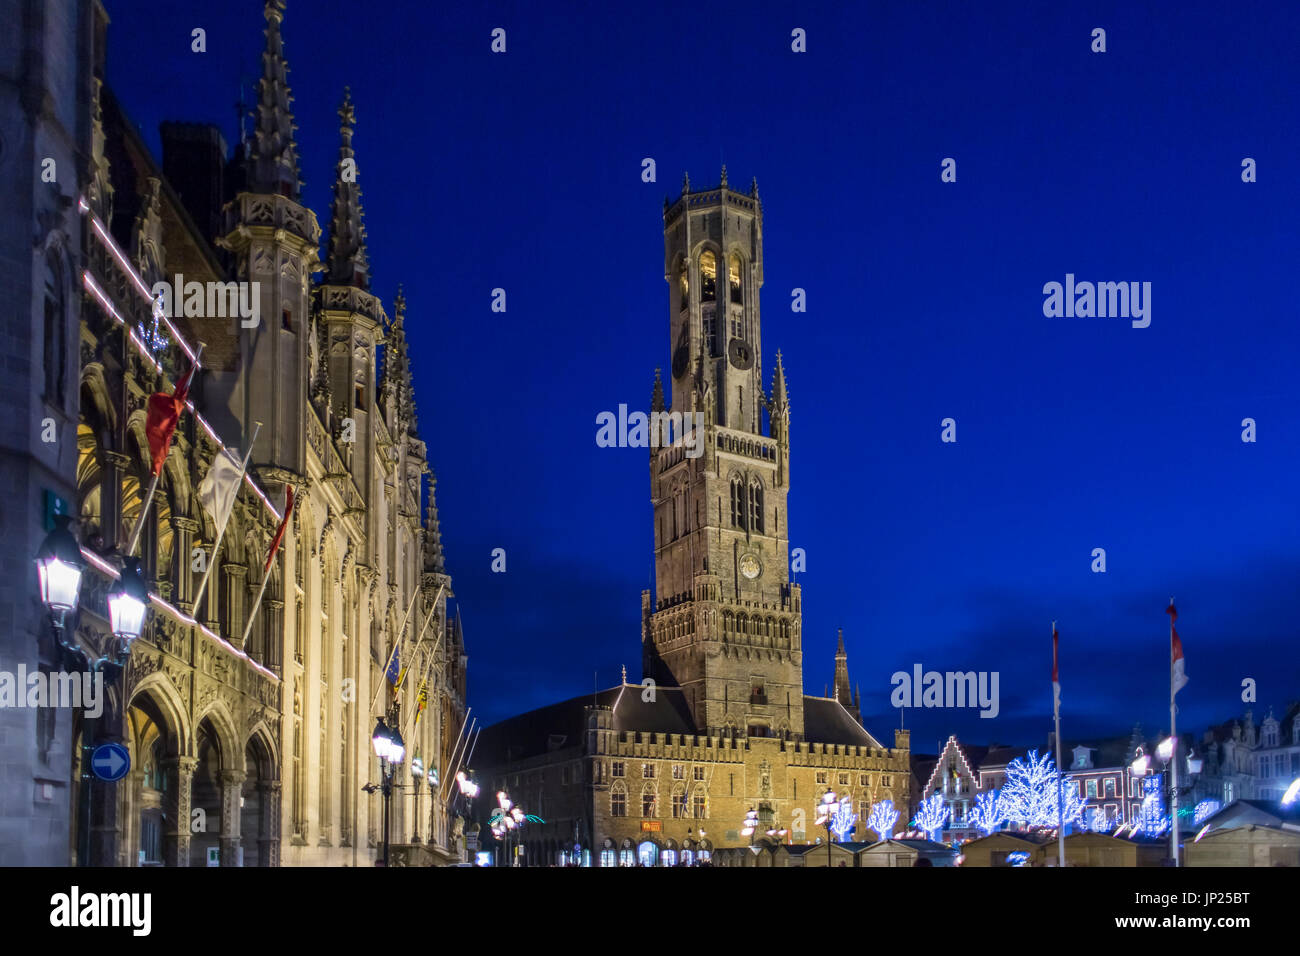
(723, 622)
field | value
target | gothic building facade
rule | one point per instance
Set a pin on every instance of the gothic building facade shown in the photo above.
(247, 710)
(660, 771)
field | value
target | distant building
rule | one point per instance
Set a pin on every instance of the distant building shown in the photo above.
(660, 776)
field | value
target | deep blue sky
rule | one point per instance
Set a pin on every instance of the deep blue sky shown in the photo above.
(924, 301)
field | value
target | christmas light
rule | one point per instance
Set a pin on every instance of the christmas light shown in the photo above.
(882, 818)
(843, 820)
(932, 815)
(1204, 810)
(1030, 794)
(989, 813)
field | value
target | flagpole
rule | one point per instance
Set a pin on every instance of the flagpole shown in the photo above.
(419, 639)
(397, 643)
(463, 752)
(1060, 771)
(153, 483)
(454, 750)
(266, 576)
(1173, 737)
(221, 533)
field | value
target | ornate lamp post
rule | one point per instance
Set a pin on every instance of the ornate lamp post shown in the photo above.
(750, 825)
(390, 749)
(826, 810)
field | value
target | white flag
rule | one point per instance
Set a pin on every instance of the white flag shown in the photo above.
(219, 487)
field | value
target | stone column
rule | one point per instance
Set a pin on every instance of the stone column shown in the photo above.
(269, 838)
(183, 530)
(232, 785)
(110, 496)
(235, 574)
(273, 635)
(177, 850)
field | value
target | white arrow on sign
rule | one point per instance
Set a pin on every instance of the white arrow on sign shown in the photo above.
(110, 762)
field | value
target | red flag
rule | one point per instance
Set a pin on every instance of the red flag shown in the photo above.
(1178, 667)
(1056, 674)
(279, 533)
(162, 418)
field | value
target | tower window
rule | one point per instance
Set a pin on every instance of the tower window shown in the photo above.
(756, 508)
(359, 395)
(711, 332)
(737, 504)
(708, 277)
(684, 288)
(733, 273)
(286, 320)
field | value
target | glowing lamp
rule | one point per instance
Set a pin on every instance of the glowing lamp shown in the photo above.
(127, 601)
(59, 566)
(1165, 749)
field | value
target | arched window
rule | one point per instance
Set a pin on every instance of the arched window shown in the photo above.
(649, 802)
(683, 288)
(733, 274)
(737, 504)
(756, 507)
(618, 801)
(701, 804)
(708, 277)
(679, 802)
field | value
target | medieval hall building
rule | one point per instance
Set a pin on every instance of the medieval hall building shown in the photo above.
(665, 771)
(247, 711)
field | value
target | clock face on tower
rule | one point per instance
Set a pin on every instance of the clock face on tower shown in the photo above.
(740, 353)
(750, 567)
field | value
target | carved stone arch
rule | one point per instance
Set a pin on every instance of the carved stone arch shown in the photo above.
(97, 408)
(176, 481)
(159, 688)
(261, 741)
(137, 441)
(325, 529)
(217, 714)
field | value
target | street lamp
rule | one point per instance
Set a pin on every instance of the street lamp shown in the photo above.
(59, 565)
(826, 810)
(128, 599)
(390, 749)
(418, 775)
(751, 824)
(506, 819)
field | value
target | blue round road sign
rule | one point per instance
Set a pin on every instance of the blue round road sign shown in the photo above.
(110, 762)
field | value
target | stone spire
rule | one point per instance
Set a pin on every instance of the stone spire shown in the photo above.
(433, 557)
(657, 395)
(273, 158)
(843, 690)
(348, 263)
(397, 390)
(780, 400)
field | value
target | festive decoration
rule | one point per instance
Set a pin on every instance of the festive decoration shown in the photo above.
(843, 819)
(1152, 819)
(1030, 794)
(989, 813)
(1204, 810)
(882, 818)
(932, 814)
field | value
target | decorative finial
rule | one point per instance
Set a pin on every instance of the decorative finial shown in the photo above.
(624, 673)
(724, 174)
(686, 182)
(753, 187)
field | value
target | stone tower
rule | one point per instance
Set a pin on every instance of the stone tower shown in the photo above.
(843, 692)
(351, 318)
(724, 620)
(274, 242)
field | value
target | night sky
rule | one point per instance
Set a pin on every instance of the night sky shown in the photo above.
(925, 301)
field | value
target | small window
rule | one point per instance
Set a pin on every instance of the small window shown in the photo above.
(1092, 788)
(886, 781)
(648, 771)
(822, 777)
(679, 772)
(699, 773)
(616, 769)
(286, 320)
(1110, 786)
(708, 277)
(359, 395)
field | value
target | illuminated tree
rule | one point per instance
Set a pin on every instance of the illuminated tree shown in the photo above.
(882, 818)
(932, 815)
(1032, 789)
(989, 812)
